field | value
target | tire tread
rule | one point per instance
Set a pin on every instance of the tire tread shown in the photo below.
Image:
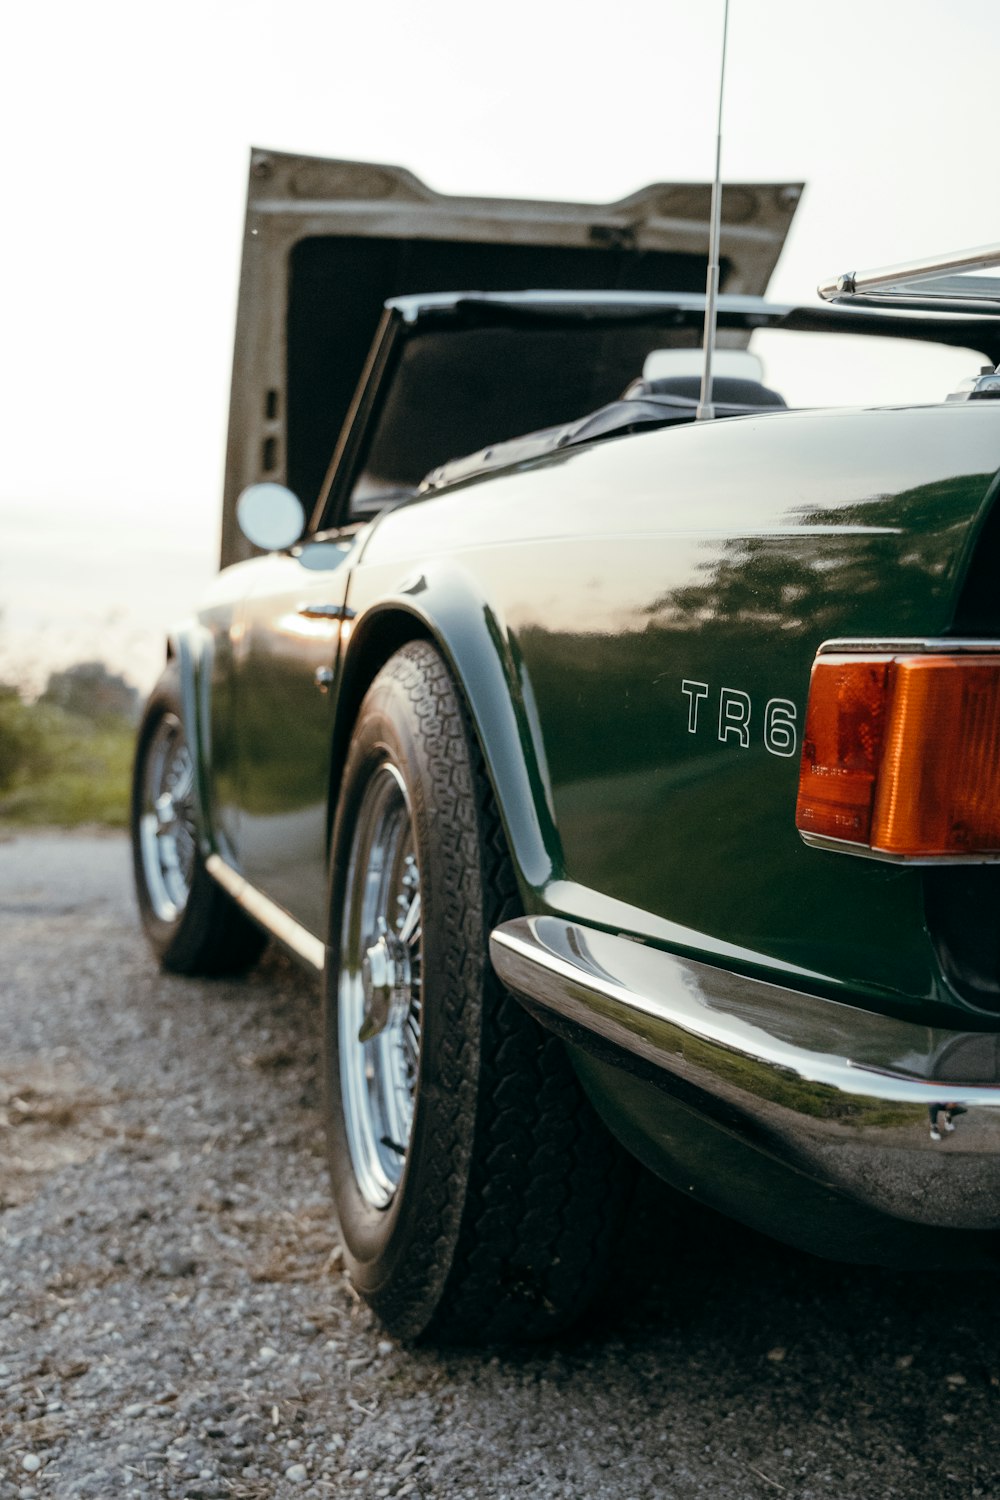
(518, 1247)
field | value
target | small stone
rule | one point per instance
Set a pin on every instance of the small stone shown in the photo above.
(177, 1264)
(385, 1347)
(955, 1379)
(776, 1355)
(265, 1354)
(297, 1473)
(134, 1409)
(31, 1463)
(904, 1361)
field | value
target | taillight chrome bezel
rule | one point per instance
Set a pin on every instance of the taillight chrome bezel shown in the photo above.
(882, 650)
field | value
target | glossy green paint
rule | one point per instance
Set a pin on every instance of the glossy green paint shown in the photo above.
(285, 722)
(599, 582)
(443, 600)
(573, 599)
(204, 650)
(263, 725)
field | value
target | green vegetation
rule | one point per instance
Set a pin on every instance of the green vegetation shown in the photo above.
(66, 759)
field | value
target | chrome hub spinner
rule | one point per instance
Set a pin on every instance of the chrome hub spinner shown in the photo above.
(385, 979)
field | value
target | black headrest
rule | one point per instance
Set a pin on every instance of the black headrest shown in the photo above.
(726, 389)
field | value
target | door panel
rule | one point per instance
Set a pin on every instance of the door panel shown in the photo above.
(285, 723)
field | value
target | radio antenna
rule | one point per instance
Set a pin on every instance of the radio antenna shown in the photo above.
(706, 407)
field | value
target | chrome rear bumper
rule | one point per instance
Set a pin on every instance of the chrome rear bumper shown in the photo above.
(899, 1117)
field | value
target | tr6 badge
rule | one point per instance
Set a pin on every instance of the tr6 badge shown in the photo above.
(735, 718)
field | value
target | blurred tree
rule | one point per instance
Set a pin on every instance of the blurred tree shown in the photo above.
(90, 690)
(19, 735)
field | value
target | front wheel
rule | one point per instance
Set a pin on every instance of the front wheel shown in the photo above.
(478, 1194)
(193, 926)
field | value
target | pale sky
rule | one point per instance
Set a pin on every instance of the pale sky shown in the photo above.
(127, 130)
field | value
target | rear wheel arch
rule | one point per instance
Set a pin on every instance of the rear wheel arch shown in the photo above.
(188, 661)
(376, 638)
(470, 641)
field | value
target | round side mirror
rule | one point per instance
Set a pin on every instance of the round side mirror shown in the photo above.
(270, 516)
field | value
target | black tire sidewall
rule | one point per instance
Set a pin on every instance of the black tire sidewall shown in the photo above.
(390, 1248)
(211, 935)
(164, 700)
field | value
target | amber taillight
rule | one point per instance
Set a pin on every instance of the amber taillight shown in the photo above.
(901, 754)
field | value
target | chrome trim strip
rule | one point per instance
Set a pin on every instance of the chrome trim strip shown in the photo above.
(272, 917)
(842, 1094)
(907, 646)
(865, 851)
(326, 612)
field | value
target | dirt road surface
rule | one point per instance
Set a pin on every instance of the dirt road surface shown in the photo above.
(176, 1321)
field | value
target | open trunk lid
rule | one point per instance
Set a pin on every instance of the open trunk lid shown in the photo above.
(328, 242)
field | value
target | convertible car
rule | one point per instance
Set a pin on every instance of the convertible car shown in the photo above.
(630, 780)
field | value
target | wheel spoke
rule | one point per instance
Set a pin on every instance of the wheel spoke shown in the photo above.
(378, 997)
(166, 823)
(410, 929)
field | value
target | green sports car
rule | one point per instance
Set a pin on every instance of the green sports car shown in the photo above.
(630, 781)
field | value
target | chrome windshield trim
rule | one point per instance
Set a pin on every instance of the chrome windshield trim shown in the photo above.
(273, 918)
(844, 1094)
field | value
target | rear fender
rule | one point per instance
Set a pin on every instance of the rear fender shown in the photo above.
(442, 603)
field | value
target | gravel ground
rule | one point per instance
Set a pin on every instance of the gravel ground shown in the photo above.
(176, 1320)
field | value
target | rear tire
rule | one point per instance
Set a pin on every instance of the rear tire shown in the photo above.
(192, 925)
(479, 1196)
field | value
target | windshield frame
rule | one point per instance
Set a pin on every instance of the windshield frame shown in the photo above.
(408, 317)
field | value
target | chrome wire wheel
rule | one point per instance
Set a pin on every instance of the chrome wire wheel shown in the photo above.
(191, 923)
(166, 820)
(379, 1004)
(477, 1193)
